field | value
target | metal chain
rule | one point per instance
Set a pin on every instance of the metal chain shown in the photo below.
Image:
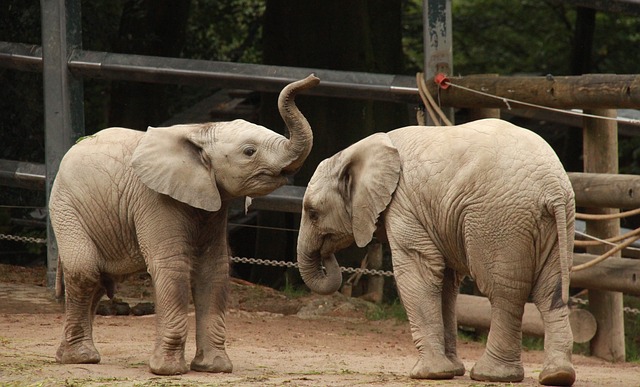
(258, 261)
(17, 238)
(366, 271)
(270, 262)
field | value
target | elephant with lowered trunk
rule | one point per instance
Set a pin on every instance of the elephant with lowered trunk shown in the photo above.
(486, 199)
(125, 201)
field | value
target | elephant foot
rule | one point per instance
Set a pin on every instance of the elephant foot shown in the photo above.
(83, 352)
(168, 363)
(441, 368)
(214, 361)
(459, 369)
(488, 369)
(563, 375)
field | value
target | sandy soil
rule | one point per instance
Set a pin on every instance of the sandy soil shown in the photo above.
(273, 340)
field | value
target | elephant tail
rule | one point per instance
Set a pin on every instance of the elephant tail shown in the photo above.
(565, 255)
(59, 282)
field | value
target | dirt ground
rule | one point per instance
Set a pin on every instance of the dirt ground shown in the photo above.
(273, 340)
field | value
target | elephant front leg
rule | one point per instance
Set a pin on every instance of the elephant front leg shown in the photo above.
(210, 287)
(172, 300)
(420, 288)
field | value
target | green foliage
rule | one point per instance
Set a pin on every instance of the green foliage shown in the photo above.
(632, 329)
(510, 37)
(533, 343)
(225, 30)
(292, 291)
(393, 310)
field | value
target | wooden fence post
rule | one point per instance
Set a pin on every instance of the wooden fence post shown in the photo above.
(438, 44)
(600, 139)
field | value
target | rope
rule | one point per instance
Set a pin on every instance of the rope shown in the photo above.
(429, 103)
(608, 216)
(604, 256)
(609, 241)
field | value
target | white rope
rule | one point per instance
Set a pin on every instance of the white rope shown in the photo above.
(603, 241)
(506, 101)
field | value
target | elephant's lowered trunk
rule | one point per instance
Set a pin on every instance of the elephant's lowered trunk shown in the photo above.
(301, 137)
(319, 280)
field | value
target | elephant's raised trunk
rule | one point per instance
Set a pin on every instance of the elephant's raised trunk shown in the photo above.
(319, 280)
(301, 137)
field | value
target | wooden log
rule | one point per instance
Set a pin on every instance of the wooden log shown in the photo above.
(562, 92)
(480, 113)
(613, 274)
(600, 147)
(475, 311)
(606, 190)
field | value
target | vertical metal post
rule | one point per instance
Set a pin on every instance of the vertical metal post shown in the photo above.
(601, 156)
(63, 96)
(438, 42)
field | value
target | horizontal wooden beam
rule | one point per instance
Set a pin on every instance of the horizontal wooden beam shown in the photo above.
(613, 274)
(600, 190)
(601, 91)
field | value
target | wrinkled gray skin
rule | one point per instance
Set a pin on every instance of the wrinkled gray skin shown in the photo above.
(125, 201)
(486, 199)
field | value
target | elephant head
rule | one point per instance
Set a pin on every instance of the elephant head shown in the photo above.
(343, 201)
(203, 164)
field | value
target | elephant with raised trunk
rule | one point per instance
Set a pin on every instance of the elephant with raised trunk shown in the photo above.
(485, 199)
(125, 201)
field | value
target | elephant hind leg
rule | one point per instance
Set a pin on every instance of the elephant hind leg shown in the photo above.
(450, 289)
(558, 339)
(507, 285)
(77, 345)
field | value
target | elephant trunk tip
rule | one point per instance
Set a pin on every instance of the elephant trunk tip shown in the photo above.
(320, 280)
(300, 134)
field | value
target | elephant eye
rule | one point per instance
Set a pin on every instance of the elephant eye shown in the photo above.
(249, 151)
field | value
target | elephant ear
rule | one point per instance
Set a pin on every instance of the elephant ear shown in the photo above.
(368, 180)
(171, 161)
